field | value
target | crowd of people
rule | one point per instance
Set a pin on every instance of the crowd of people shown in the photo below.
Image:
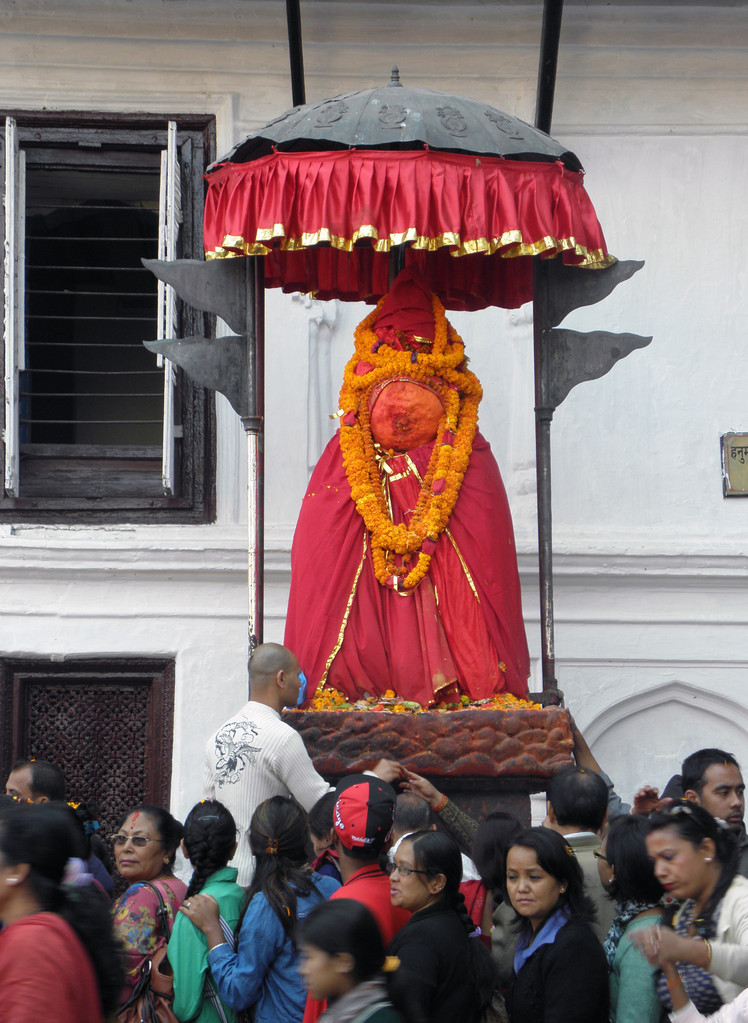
(377, 901)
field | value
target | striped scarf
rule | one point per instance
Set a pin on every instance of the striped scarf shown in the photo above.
(625, 913)
(210, 991)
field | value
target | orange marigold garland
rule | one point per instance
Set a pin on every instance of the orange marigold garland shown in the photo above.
(443, 369)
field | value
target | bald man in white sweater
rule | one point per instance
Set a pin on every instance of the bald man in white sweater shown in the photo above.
(255, 755)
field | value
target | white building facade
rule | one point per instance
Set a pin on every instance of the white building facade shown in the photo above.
(651, 560)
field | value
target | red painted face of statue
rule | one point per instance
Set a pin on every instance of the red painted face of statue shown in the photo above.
(405, 415)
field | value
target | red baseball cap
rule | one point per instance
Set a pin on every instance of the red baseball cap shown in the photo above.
(363, 812)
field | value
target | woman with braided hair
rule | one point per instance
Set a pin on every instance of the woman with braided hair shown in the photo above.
(445, 972)
(209, 842)
(261, 971)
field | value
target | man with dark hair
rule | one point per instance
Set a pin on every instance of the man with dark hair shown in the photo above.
(362, 821)
(577, 805)
(36, 781)
(577, 800)
(412, 813)
(712, 778)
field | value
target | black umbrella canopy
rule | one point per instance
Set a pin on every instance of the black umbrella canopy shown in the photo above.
(396, 117)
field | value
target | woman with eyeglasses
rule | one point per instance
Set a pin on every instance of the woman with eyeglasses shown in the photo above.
(145, 847)
(560, 974)
(704, 957)
(627, 874)
(209, 843)
(445, 971)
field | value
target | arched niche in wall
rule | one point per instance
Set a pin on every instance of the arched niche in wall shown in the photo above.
(643, 738)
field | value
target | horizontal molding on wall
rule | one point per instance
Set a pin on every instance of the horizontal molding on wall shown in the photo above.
(668, 131)
(599, 598)
(220, 550)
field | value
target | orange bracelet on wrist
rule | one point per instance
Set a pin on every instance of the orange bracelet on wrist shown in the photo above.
(441, 804)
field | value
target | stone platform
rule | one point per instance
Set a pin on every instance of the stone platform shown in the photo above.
(483, 759)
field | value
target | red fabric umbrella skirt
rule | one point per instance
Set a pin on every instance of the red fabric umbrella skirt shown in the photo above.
(327, 220)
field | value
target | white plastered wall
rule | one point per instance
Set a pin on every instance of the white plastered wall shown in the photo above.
(651, 605)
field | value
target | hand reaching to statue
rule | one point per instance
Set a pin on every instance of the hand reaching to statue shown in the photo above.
(648, 799)
(422, 787)
(389, 770)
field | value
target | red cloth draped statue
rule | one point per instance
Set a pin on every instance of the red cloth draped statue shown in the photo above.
(403, 568)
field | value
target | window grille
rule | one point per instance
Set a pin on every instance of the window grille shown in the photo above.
(89, 414)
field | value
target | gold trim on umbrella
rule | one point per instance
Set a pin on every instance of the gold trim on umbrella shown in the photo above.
(510, 241)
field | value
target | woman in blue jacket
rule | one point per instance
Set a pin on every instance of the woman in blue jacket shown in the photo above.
(261, 972)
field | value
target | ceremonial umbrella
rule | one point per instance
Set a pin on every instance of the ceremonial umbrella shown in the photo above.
(326, 191)
(337, 195)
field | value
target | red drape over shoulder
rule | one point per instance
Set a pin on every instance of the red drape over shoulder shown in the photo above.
(460, 623)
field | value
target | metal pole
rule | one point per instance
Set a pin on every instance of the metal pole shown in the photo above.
(543, 416)
(550, 34)
(254, 427)
(260, 384)
(295, 53)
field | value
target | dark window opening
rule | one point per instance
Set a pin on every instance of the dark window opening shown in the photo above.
(90, 397)
(89, 304)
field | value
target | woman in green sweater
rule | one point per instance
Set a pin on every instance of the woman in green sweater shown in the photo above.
(627, 873)
(209, 843)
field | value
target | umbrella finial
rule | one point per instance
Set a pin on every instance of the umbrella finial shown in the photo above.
(395, 77)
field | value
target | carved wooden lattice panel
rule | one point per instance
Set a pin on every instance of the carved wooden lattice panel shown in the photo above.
(97, 735)
(107, 724)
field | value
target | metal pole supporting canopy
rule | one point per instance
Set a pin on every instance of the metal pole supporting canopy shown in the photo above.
(551, 32)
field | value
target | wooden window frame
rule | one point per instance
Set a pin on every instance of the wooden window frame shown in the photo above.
(194, 501)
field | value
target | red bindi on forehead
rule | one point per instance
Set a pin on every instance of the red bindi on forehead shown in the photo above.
(144, 824)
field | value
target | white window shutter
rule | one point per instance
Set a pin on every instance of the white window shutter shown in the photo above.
(13, 305)
(170, 217)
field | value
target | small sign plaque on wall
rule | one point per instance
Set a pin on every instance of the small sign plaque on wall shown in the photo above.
(735, 464)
